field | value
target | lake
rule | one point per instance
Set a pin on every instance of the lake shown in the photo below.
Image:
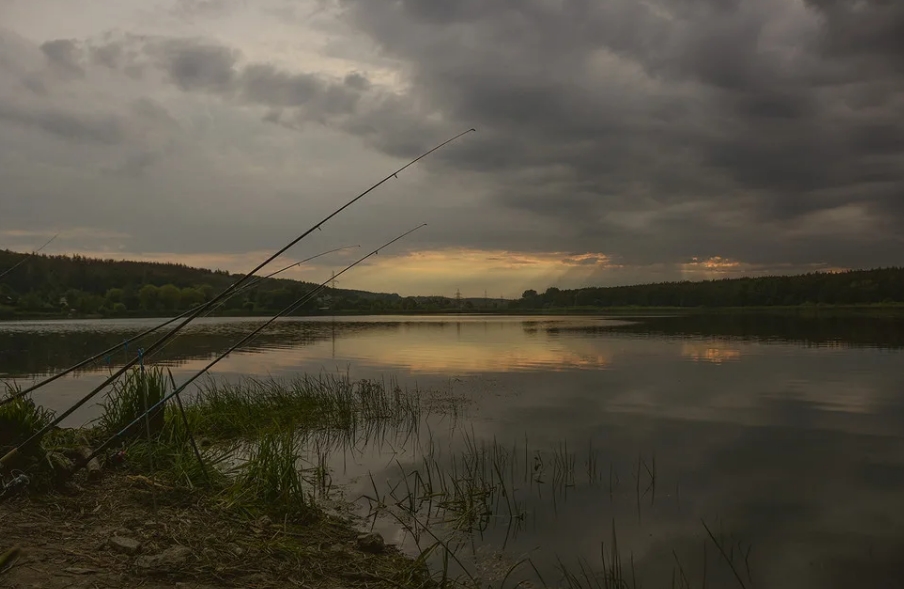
(773, 442)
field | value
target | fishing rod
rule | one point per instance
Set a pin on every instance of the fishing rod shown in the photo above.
(126, 342)
(27, 256)
(299, 302)
(9, 456)
(289, 267)
(248, 286)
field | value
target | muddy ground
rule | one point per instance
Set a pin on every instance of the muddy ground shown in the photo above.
(128, 531)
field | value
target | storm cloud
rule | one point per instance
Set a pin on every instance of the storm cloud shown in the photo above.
(655, 134)
(779, 110)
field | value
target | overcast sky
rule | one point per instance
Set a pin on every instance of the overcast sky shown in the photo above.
(618, 141)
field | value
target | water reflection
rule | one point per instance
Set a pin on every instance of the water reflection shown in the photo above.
(714, 352)
(421, 344)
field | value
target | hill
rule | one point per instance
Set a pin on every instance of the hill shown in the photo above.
(66, 285)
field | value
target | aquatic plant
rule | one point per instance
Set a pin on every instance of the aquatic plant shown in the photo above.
(130, 398)
(222, 410)
(20, 418)
(271, 479)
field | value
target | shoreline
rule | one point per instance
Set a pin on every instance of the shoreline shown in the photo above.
(624, 311)
(240, 511)
(129, 530)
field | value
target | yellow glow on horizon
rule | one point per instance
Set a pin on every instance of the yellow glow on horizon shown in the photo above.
(497, 272)
(714, 353)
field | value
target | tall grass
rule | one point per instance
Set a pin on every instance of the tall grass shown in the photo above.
(233, 410)
(130, 398)
(20, 419)
(255, 431)
(485, 483)
(271, 480)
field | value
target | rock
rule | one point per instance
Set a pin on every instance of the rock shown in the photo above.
(81, 571)
(92, 466)
(372, 543)
(170, 558)
(61, 465)
(124, 545)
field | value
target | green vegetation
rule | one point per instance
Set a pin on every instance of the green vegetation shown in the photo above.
(75, 285)
(223, 411)
(64, 286)
(252, 473)
(131, 397)
(856, 287)
(271, 479)
(20, 419)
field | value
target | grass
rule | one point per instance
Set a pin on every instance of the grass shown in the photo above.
(271, 479)
(222, 411)
(487, 483)
(20, 419)
(252, 433)
(130, 398)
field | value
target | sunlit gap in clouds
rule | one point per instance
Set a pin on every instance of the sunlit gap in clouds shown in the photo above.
(474, 272)
(496, 273)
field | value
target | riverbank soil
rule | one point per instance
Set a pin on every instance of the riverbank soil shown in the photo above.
(129, 531)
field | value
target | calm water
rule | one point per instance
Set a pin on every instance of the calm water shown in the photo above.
(782, 434)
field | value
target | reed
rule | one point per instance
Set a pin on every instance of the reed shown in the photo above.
(224, 411)
(20, 418)
(271, 479)
(129, 398)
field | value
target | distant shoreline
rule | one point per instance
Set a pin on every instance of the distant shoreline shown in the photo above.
(809, 309)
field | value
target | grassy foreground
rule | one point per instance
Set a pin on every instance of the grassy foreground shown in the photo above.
(246, 515)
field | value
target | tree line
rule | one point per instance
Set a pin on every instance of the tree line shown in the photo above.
(76, 285)
(855, 287)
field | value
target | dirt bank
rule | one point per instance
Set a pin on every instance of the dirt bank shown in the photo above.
(128, 531)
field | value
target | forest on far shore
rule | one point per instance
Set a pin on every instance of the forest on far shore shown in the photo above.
(74, 285)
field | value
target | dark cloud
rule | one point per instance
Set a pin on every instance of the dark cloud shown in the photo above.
(109, 55)
(756, 107)
(65, 55)
(868, 31)
(194, 65)
(268, 86)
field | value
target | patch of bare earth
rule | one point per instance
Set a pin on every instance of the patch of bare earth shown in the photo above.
(127, 531)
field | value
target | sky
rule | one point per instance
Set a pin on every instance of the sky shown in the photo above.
(617, 142)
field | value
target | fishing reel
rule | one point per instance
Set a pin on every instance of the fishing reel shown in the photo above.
(15, 484)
